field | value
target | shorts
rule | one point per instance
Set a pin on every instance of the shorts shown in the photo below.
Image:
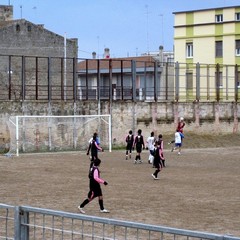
(138, 148)
(178, 144)
(129, 147)
(96, 192)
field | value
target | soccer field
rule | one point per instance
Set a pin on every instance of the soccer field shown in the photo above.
(198, 190)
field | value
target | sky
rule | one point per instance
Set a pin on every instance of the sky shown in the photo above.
(127, 27)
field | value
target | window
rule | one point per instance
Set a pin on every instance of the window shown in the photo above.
(218, 49)
(29, 28)
(189, 50)
(237, 16)
(218, 18)
(237, 43)
(17, 27)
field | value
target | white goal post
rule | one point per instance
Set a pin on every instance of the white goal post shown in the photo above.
(57, 133)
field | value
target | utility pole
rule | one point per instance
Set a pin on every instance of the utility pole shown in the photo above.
(21, 11)
(147, 13)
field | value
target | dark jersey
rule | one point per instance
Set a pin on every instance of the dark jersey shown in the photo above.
(139, 141)
(130, 139)
(94, 149)
(157, 158)
(93, 184)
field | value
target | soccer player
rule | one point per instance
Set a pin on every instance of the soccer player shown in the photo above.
(181, 125)
(150, 144)
(129, 141)
(94, 147)
(139, 144)
(178, 141)
(158, 159)
(95, 188)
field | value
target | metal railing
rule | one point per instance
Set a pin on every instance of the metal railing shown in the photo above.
(31, 223)
(7, 221)
(28, 78)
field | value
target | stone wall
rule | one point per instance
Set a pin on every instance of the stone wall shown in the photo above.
(200, 117)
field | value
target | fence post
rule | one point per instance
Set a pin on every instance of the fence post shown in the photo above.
(110, 81)
(177, 81)
(49, 80)
(21, 232)
(23, 78)
(133, 80)
(197, 81)
(217, 82)
(208, 83)
(62, 79)
(36, 75)
(156, 85)
(236, 83)
(17, 224)
(122, 87)
(166, 81)
(98, 86)
(9, 78)
(74, 80)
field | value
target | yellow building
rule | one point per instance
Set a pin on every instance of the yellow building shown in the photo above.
(210, 37)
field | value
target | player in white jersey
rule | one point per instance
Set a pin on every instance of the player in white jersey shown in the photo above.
(150, 144)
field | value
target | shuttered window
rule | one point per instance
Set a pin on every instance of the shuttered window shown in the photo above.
(237, 47)
(218, 49)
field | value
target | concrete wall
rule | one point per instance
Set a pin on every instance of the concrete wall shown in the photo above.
(203, 117)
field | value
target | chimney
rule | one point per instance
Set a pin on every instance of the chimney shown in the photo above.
(161, 58)
(106, 53)
(94, 54)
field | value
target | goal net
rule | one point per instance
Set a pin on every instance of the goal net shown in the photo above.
(57, 133)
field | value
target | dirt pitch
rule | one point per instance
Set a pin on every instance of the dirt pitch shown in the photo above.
(198, 190)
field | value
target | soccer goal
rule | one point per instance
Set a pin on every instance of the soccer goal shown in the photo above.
(57, 133)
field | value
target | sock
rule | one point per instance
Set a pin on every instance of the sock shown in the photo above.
(156, 172)
(101, 204)
(85, 202)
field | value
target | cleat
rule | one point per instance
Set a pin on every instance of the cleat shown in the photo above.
(81, 210)
(154, 177)
(104, 211)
